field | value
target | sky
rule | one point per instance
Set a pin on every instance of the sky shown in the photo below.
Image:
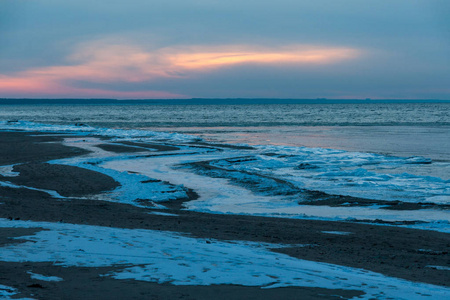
(142, 49)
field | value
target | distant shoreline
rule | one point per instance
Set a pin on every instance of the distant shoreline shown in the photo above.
(211, 101)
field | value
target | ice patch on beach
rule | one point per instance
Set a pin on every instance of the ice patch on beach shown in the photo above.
(6, 292)
(53, 194)
(7, 171)
(337, 232)
(159, 213)
(135, 189)
(180, 260)
(44, 278)
(439, 268)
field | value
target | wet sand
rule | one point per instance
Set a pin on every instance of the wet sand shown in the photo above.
(392, 251)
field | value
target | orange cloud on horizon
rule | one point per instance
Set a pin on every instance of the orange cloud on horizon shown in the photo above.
(202, 60)
(105, 63)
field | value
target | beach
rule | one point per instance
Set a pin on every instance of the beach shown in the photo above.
(225, 150)
(27, 208)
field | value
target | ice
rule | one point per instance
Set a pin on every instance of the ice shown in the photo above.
(158, 213)
(7, 171)
(265, 181)
(344, 173)
(439, 268)
(337, 232)
(218, 195)
(439, 199)
(6, 291)
(177, 259)
(44, 278)
(336, 172)
(54, 194)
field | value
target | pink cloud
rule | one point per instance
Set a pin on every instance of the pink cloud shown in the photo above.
(106, 63)
(37, 87)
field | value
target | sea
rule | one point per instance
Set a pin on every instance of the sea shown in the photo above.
(393, 129)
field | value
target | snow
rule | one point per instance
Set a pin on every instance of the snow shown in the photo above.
(165, 257)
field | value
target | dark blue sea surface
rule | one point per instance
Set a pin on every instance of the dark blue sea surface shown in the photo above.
(148, 115)
(397, 129)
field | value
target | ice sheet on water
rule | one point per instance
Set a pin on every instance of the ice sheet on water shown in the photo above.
(170, 257)
(222, 195)
(332, 171)
(134, 188)
(338, 172)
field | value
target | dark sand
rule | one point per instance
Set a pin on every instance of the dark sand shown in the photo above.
(20, 147)
(384, 249)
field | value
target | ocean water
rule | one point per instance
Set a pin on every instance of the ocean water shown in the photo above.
(411, 129)
(245, 115)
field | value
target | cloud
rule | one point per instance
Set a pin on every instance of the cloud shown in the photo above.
(113, 64)
(35, 87)
(207, 58)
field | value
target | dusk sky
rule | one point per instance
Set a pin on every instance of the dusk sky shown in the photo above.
(140, 49)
